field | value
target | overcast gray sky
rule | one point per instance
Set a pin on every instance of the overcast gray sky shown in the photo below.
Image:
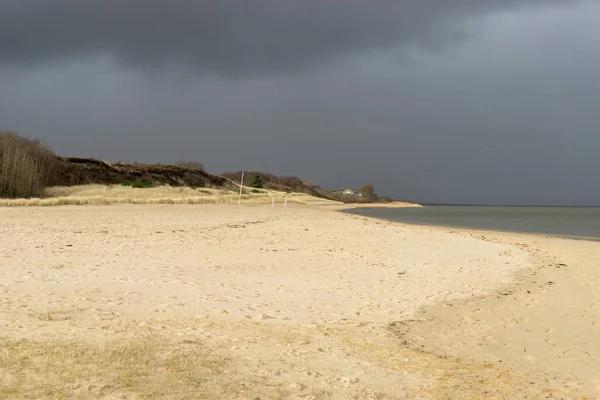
(454, 101)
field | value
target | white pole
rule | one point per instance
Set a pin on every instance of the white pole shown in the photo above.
(273, 200)
(241, 187)
(285, 205)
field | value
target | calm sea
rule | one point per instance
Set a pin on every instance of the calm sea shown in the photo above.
(582, 222)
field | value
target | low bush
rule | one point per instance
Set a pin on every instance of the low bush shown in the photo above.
(142, 184)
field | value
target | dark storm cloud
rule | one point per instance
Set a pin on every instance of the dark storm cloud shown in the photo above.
(509, 115)
(232, 37)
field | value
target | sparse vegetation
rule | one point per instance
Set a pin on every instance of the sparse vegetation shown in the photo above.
(196, 165)
(149, 367)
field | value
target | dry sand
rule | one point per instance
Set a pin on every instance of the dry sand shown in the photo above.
(219, 301)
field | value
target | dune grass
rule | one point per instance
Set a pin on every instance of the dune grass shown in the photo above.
(118, 194)
(142, 368)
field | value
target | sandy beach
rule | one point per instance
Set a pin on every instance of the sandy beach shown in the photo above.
(220, 301)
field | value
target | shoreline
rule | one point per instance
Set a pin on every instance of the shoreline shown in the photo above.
(465, 228)
(429, 332)
(514, 308)
(323, 292)
(352, 206)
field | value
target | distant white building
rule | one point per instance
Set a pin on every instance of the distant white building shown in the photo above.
(348, 191)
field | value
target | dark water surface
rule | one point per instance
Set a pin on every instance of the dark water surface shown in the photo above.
(582, 222)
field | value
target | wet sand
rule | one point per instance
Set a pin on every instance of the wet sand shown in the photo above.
(546, 322)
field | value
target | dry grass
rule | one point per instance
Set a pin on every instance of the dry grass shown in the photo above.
(446, 377)
(143, 367)
(51, 315)
(117, 194)
(155, 366)
(148, 367)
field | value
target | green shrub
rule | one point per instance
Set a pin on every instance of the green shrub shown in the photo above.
(256, 181)
(142, 184)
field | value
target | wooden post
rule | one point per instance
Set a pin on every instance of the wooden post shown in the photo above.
(241, 187)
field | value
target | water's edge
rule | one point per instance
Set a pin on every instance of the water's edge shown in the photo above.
(575, 223)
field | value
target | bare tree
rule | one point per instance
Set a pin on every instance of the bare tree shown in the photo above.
(26, 166)
(367, 191)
